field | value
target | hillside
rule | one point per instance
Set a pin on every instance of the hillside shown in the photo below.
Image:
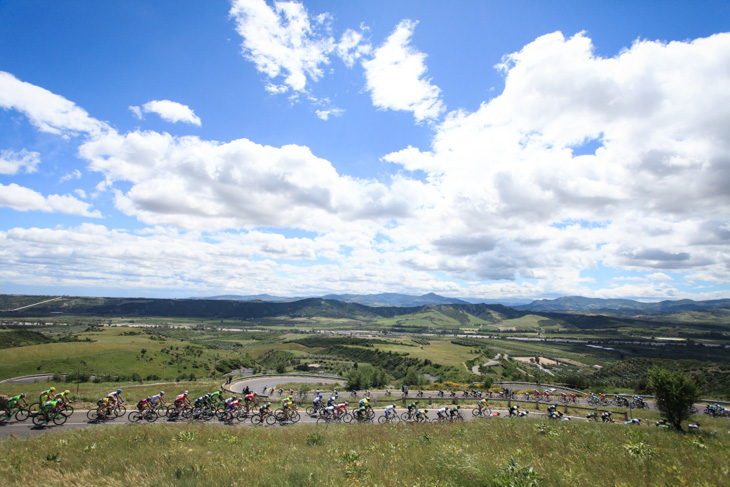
(622, 307)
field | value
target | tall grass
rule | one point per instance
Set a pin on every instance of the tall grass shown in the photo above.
(482, 453)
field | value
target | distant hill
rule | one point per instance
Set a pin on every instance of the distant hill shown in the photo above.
(382, 299)
(394, 299)
(621, 307)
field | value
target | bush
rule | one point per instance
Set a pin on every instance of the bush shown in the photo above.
(675, 394)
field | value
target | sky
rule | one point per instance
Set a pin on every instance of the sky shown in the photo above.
(476, 149)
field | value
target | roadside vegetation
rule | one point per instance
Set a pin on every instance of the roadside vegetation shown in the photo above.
(495, 452)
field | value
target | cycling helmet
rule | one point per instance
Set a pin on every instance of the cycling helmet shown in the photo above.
(233, 397)
(347, 403)
(393, 405)
(65, 392)
(320, 395)
(162, 393)
(22, 394)
(52, 389)
(290, 398)
(186, 393)
(119, 391)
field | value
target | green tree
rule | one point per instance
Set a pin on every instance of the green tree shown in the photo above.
(675, 394)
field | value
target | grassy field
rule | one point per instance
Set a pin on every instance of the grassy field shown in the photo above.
(497, 452)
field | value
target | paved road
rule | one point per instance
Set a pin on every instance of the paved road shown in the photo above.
(79, 420)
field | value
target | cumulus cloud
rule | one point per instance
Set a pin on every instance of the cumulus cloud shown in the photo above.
(169, 111)
(647, 198)
(20, 198)
(11, 162)
(47, 111)
(197, 184)
(282, 41)
(396, 77)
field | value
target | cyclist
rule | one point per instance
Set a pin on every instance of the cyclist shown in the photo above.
(606, 417)
(454, 412)
(286, 404)
(154, 399)
(143, 404)
(317, 402)
(441, 413)
(228, 403)
(13, 401)
(49, 407)
(421, 414)
(482, 404)
(331, 401)
(115, 397)
(63, 397)
(362, 412)
(389, 410)
(572, 398)
(181, 401)
(342, 408)
(514, 410)
(264, 410)
(216, 397)
(251, 399)
(364, 402)
(412, 407)
(47, 395)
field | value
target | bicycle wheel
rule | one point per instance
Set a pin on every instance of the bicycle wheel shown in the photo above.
(120, 411)
(67, 410)
(476, 412)
(270, 419)
(382, 420)
(22, 414)
(150, 416)
(34, 408)
(134, 416)
(59, 419)
(294, 417)
(39, 419)
(6, 414)
(405, 416)
(311, 411)
(92, 414)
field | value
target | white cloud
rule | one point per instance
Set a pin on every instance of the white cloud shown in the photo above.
(330, 112)
(75, 174)
(395, 77)
(282, 41)
(20, 198)
(47, 111)
(352, 47)
(13, 161)
(649, 198)
(206, 185)
(169, 111)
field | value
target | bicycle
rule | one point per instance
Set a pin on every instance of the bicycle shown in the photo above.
(392, 418)
(261, 418)
(485, 411)
(408, 415)
(44, 417)
(149, 415)
(291, 415)
(19, 412)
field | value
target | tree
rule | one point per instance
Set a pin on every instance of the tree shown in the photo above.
(675, 394)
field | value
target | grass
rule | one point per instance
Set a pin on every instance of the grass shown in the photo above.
(482, 453)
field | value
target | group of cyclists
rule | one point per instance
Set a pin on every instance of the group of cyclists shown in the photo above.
(55, 406)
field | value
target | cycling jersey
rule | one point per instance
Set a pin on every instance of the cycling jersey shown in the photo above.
(180, 398)
(155, 398)
(389, 409)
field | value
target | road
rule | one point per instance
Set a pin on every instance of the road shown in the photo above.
(79, 420)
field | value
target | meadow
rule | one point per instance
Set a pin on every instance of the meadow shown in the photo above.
(494, 452)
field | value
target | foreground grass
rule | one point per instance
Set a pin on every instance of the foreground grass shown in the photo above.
(495, 452)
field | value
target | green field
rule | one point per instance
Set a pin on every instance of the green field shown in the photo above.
(498, 452)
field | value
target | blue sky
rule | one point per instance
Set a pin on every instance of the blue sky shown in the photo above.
(474, 149)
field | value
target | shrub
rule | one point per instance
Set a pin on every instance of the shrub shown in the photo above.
(675, 394)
